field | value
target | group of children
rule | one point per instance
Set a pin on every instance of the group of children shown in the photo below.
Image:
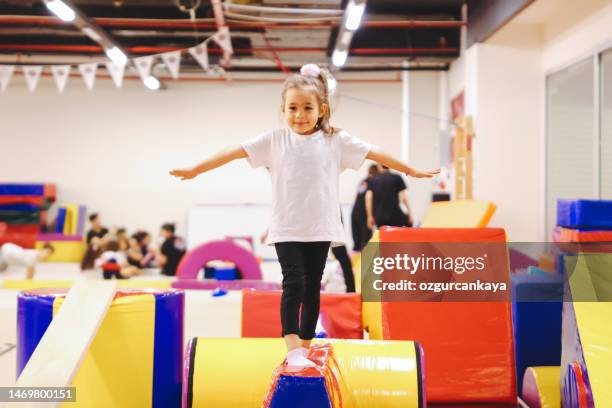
(122, 256)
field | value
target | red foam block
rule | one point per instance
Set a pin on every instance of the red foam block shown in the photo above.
(469, 345)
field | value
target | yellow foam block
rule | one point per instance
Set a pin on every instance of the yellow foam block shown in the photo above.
(65, 251)
(21, 284)
(458, 214)
(547, 382)
(592, 291)
(371, 313)
(117, 370)
(377, 373)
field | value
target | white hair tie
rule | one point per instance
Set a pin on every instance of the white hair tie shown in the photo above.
(311, 70)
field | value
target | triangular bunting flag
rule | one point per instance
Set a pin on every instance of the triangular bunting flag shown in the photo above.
(143, 65)
(116, 72)
(222, 37)
(32, 74)
(89, 73)
(200, 54)
(173, 62)
(60, 74)
(6, 73)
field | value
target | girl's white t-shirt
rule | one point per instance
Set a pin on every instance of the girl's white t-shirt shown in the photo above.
(305, 170)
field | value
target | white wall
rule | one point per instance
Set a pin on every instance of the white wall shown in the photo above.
(504, 80)
(112, 149)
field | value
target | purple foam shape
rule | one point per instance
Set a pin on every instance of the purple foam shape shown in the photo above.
(194, 260)
(55, 236)
(211, 284)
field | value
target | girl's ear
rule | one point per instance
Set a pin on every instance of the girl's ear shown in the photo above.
(323, 110)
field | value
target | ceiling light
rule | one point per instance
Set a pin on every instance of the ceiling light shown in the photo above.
(339, 57)
(354, 14)
(61, 9)
(116, 55)
(152, 83)
(91, 33)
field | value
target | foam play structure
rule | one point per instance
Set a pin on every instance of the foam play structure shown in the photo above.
(132, 352)
(458, 214)
(537, 303)
(223, 250)
(23, 208)
(340, 314)
(541, 387)
(587, 332)
(469, 345)
(374, 373)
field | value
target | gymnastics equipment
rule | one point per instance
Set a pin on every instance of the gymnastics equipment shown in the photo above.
(463, 133)
(590, 214)
(221, 250)
(458, 214)
(28, 284)
(67, 248)
(541, 387)
(376, 373)
(211, 284)
(134, 358)
(469, 345)
(580, 235)
(66, 338)
(537, 302)
(586, 332)
(340, 314)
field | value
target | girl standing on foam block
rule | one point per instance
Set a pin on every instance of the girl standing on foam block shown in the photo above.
(305, 161)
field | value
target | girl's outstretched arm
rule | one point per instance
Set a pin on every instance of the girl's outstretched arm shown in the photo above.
(216, 160)
(378, 155)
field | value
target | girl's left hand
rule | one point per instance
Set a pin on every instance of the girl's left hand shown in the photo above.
(422, 174)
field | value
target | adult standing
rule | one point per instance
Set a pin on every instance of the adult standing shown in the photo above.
(383, 198)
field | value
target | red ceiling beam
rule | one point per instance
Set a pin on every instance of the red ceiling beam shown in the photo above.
(145, 23)
(157, 49)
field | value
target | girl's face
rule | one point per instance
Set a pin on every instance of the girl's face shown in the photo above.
(302, 110)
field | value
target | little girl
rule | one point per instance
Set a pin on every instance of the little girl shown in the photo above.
(305, 161)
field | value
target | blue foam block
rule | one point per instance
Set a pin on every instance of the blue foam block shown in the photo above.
(537, 302)
(300, 392)
(588, 214)
(22, 189)
(226, 274)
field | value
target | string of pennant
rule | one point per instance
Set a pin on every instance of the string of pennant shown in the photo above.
(143, 65)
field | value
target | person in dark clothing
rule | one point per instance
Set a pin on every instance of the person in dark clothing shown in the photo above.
(383, 199)
(94, 242)
(359, 217)
(172, 250)
(341, 254)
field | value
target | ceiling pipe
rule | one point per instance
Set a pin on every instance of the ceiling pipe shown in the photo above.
(158, 49)
(210, 23)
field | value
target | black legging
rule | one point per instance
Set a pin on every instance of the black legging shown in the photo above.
(342, 256)
(302, 264)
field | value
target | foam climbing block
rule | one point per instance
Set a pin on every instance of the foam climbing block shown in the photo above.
(578, 235)
(135, 360)
(211, 284)
(17, 199)
(24, 240)
(469, 345)
(223, 372)
(371, 313)
(541, 387)
(593, 214)
(340, 314)
(22, 189)
(321, 386)
(222, 250)
(458, 214)
(537, 302)
(587, 333)
(65, 251)
(28, 284)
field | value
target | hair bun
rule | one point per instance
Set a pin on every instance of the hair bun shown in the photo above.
(311, 70)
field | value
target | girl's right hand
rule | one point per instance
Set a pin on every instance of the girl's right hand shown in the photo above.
(183, 174)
